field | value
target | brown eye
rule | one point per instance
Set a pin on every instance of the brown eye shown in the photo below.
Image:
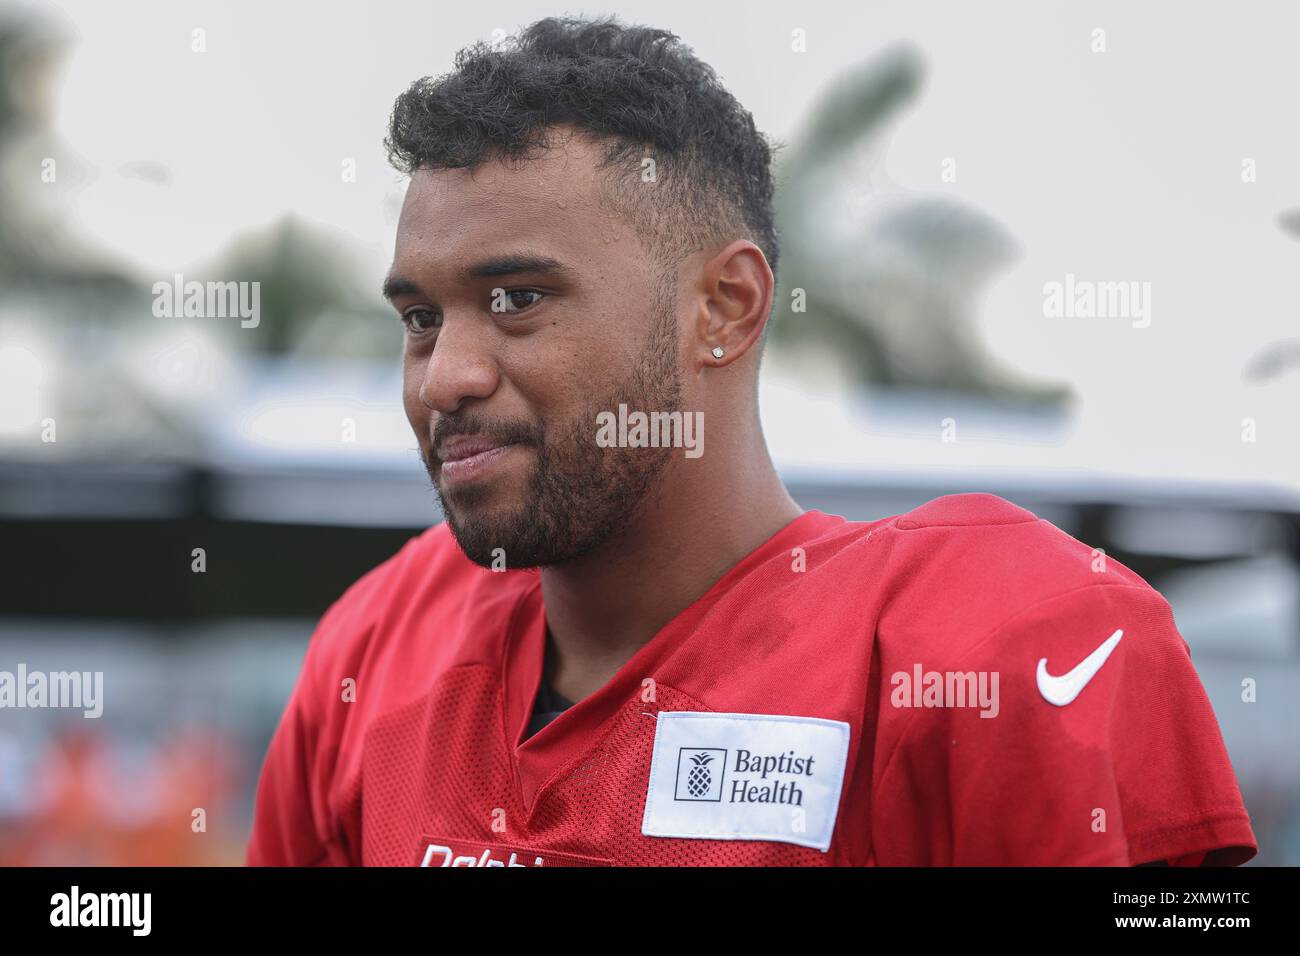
(421, 320)
(514, 301)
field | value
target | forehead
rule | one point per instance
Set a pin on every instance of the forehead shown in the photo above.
(551, 201)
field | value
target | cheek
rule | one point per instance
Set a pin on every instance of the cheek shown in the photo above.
(566, 388)
(541, 376)
(599, 358)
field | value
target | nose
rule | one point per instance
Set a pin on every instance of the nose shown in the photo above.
(460, 367)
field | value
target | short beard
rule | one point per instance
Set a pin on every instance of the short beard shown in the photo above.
(581, 497)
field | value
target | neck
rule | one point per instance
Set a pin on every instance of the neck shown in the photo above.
(706, 518)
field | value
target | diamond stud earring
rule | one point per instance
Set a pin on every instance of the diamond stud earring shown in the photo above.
(717, 351)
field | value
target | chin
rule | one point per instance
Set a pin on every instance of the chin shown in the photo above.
(491, 534)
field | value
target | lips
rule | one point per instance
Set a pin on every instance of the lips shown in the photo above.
(467, 446)
(468, 458)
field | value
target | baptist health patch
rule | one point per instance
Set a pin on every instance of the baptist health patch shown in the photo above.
(746, 777)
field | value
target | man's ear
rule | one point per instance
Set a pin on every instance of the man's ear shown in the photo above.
(736, 289)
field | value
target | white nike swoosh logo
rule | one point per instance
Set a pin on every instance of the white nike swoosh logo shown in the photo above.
(1063, 689)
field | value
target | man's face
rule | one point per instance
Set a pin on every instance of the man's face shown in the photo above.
(530, 308)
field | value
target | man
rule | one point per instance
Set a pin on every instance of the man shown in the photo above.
(625, 646)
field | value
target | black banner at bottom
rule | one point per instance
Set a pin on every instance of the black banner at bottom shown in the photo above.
(560, 904)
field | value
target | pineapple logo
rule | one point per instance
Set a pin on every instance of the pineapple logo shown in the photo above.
(699, 773)
(699, 779)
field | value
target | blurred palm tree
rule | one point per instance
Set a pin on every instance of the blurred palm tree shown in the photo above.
(892, 279)
(38, 253)
(1278, 357)
(313, 298)
(311, 293)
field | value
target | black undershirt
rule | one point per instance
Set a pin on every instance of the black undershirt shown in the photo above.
(546, 708)
(548, 704)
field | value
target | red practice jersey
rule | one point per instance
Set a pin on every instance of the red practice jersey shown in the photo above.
(964, 684)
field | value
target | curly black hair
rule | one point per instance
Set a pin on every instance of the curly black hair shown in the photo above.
(639, 92)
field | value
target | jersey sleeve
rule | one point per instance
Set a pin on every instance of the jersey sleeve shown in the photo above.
(293, 823)
(286, 830)
(1132, 770)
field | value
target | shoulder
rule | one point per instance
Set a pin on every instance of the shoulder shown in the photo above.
(420, 591)
(427, 554)
(992, 612)
(974, 541)
(965, 567)
(964, 511)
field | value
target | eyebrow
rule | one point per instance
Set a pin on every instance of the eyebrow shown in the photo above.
(504, 265)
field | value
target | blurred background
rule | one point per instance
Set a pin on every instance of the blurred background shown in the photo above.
(956, 182)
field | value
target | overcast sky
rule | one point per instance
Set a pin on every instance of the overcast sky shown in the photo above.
(1117, 166)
